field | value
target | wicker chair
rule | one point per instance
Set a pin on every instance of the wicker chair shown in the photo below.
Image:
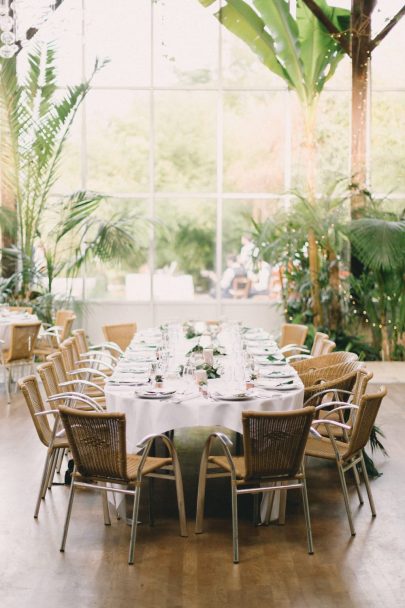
(90, 380)
(53, 387)
(21, 352)
(120, 334)
(339, 387)
(56, 446)
(98, 445)
(325, 374)
(50, 340)
(348, 455)
(27, 309)
(323, 361)
(274, 445)
(292, 338)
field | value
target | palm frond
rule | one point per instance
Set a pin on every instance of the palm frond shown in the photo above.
(380, 244)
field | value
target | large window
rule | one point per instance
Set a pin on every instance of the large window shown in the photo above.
(187, 129)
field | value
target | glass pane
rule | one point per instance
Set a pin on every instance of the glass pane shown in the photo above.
(118, 141)
(119, 31)
(128, 279)
(254, 139)
(387, 59)
(185, 141)
(332, 152)
(185, 249)
(242, 277)
(185, 44)
(387, 148)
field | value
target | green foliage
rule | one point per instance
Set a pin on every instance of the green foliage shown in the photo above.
(299, 50)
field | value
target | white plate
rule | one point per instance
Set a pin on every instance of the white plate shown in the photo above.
(232, 397)
(276, 375)
(286, 387)
(156, 394)
(267, 362)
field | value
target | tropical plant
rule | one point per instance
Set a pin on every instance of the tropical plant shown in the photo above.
(59, 237)
(302, 52)
(379, 292)
(283, 241)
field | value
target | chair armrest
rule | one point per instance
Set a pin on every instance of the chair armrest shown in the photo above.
(88, 370)
(331, 423)
(105, 364)
(83, 382)
(76, 397)
(301, 357)
(288, 347)
(342, 406)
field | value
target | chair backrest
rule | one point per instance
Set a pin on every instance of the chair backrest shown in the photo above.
(50, 380)
(324, 361)
(81, 340)
(274, 442)
(67, 328)
(98, 443)
(327, 347)
(292, 333)
(27, 309)
(360, 387)
(62, 315)
(22, 341)
(30, 389)
(317, 345)
(364, 421)
(59, 366)
(121, 334)
(241, 287)
(344, 383)
(68, 354)
(326, 374)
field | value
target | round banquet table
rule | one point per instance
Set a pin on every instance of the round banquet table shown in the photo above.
(7, 320)
(152, 416)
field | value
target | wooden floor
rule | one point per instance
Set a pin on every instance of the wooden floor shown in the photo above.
(275, 569)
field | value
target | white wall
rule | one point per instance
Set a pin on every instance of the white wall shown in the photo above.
(94, 314)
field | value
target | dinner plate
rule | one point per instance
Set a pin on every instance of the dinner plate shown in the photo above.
(265, 361)
(232, 397)
(285, 387)
(156, 394)
(276, 375)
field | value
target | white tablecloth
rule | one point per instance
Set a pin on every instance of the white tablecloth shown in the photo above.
(7, 321)
(150, 416)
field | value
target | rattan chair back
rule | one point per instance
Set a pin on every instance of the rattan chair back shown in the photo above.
(323, 361)
(59, 366)
(274, 442)
(62, 315)
(292, 333)
(327, 347)
(27, 309)
(344, 383)
(363, 378)
(68, 354)
(364, 422)
(30, 389)
(50, 381)
(22, 341)
(67, 328)
(98, 443)
(317, 344)
(81, 340)
(121, 334)
(325, 374)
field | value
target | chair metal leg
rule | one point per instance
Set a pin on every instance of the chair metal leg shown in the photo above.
(49, 472)
(60, 460)
(106, 512)
(52, 469)
(7, 383)
(282, 507)
(180, 495)
(256, 509)
(346, 498)
(44, 479)
(357, 482)
(368, 488)
(134, 525)
(202, 482)
(307, 516)
(68, 514)
(150, 501)
(235, 534)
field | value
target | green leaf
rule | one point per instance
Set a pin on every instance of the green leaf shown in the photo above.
(240, 19)
(284, 31)
(380, 244)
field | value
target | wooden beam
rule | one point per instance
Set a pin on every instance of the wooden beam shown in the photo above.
(327, 23)
(376, 41)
